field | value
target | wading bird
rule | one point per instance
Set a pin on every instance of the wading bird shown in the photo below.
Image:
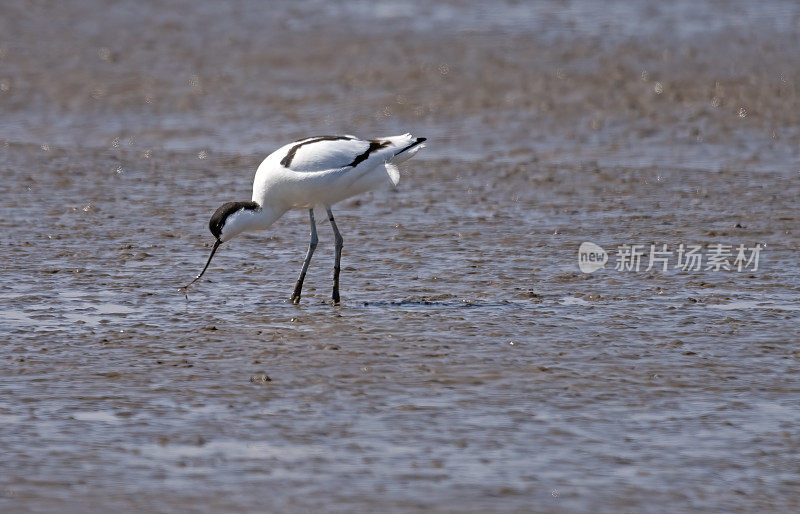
(316, 171)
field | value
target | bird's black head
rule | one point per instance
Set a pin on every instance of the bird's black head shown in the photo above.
(223, 214)
(224, 225)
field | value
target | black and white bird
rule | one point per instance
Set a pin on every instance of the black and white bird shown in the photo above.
(316, 171)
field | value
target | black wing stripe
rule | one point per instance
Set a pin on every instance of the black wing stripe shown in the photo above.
(287, 160)
(373, 145)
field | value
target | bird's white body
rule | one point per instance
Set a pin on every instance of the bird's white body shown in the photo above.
(319, 171)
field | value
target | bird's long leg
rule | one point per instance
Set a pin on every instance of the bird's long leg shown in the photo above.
(336, 265)
(311, 246)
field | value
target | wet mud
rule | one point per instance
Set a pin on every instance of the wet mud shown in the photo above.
(472, 366)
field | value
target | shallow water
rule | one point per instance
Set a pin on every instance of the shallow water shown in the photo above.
(472, 366)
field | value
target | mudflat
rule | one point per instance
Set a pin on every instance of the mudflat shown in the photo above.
(472, 365)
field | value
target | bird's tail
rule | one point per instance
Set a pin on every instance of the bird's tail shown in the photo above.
(405, 147)
(402, 148)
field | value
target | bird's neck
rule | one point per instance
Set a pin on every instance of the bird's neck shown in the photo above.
(265, 217)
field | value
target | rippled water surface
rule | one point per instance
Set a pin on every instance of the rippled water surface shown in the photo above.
(471, 367)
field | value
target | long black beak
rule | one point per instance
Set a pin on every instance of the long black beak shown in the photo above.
(213, 250)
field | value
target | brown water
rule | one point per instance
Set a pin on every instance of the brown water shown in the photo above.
(471, 366)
